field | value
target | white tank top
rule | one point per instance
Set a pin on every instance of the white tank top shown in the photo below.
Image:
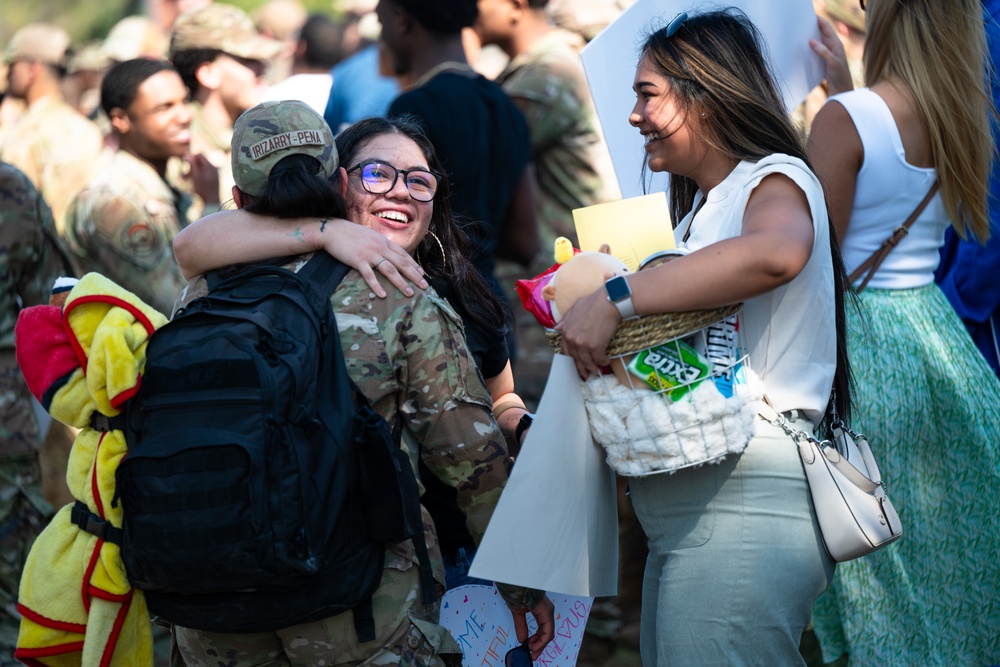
(888, 190)
(789, 332)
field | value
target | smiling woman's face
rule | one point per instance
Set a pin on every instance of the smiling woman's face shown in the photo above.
(670, 133)
(395, 214)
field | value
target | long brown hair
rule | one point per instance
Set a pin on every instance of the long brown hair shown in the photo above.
(938, 50)
(716, 66)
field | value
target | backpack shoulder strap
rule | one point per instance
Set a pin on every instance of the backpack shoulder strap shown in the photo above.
(324, 271)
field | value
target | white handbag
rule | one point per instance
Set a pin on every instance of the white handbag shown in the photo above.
(855, 515)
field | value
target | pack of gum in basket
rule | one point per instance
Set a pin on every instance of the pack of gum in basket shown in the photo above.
(672, 402)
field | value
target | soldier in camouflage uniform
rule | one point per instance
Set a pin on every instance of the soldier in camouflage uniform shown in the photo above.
(545, 78)
(407, 354)
(31, 258)
(222, 59)
(55, 145)
(124, 223)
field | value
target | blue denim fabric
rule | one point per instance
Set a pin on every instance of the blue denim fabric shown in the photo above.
(456, 570)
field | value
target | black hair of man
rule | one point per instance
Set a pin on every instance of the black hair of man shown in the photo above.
(538, 4)
(323, 39)
(442, 17)
(121, 83)
(187, 64)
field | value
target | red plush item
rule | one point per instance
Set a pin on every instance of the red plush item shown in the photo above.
(43, 349)
(530, 291)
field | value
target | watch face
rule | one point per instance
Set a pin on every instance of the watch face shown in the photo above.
(618, 288)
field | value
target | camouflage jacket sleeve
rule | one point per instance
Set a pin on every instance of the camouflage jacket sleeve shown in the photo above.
(119, 237)
(31, 254)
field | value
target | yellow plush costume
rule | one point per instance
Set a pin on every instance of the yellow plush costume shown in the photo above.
(83, 361)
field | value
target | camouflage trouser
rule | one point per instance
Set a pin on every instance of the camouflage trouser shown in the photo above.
(24, 512)
(406, 634)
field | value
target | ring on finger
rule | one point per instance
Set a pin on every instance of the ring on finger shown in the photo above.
(375, 265)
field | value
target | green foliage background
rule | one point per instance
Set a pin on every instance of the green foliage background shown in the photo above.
(88, 20)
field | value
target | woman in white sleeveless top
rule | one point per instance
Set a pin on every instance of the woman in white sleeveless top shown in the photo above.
(924, 394)
(736, 560)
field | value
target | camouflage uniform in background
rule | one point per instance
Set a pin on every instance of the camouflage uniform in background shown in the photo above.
(30, 260)
(408, 356)
(58, 149)
(123, 226)
(573, 169)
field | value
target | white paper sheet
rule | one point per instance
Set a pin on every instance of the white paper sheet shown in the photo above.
(610, 59)
(556, 525)
(481, 623)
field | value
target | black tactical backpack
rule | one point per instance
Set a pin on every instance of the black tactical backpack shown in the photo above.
(260, 487)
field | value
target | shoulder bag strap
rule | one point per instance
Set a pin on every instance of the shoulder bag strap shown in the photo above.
(870, 265)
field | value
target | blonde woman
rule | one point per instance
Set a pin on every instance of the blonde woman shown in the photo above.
(924, 394)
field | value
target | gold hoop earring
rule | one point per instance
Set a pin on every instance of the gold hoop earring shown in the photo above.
(444, 256)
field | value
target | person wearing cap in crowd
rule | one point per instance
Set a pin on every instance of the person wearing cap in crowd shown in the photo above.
(317, 50)
(165, 12)
(31, 258)
(281, 20)
(410, 360)
(478, 131)
(222, 60)
(82, 84)
(123, 224)
(55, 145)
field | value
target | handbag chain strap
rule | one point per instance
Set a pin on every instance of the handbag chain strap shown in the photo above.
(876, 258)
(775, 418)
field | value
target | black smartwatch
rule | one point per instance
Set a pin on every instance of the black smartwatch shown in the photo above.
(523, 424)
(620, 294)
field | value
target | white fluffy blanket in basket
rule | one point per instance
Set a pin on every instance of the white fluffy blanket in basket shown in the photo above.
(643, 432)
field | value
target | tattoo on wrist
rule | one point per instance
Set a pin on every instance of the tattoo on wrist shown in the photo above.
(322, 224)
(297, 234)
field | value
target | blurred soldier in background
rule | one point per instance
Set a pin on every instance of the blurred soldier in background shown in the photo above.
(222, 60)
(52, 143)
(123, 225)
(31, 258)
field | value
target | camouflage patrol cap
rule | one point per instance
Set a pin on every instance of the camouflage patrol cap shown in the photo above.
(135, 37)
(43, 42)
(223, 27)
(847, 12)
(270, 131)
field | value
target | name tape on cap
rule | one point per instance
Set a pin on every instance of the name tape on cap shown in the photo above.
(279, 142)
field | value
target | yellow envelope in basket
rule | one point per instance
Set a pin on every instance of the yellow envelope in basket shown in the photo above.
(635, 228)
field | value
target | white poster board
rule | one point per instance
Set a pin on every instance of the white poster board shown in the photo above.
(479, 620)
(610, 59)
(555, 527)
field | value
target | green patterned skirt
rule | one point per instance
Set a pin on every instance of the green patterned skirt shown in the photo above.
(931, 408)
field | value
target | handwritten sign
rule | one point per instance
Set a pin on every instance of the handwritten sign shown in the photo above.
(479, 620)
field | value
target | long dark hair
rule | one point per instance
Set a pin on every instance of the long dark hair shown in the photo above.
(716, 67)
(469, 293)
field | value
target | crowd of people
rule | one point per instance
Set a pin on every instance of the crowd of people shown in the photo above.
(461, 137)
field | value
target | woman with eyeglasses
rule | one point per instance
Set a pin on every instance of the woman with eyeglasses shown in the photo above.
(736, 559)
(406, 201)
(919, 133)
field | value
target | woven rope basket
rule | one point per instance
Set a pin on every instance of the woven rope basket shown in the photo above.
(651, 330)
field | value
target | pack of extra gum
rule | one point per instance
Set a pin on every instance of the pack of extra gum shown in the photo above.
(674, 365)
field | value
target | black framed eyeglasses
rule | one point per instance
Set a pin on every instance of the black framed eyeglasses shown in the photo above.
(862, 3)
(519, 656)
(379, 178)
